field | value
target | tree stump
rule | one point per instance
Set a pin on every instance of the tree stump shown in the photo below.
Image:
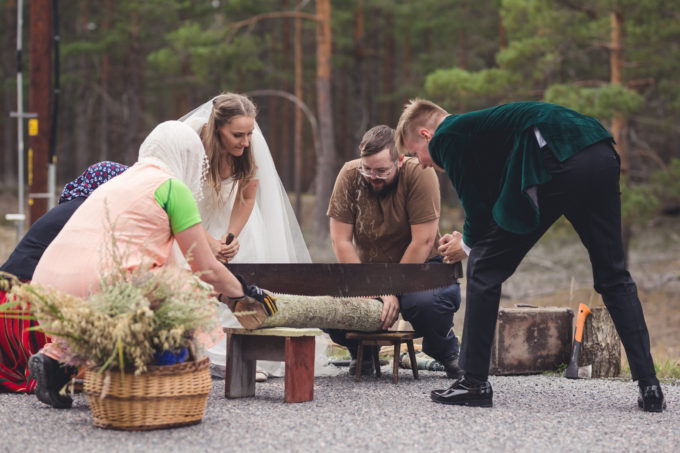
(601, 345)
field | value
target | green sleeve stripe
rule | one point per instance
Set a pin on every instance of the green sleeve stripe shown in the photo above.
(178, 202)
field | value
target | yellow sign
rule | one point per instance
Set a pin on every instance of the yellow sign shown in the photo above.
(30, 166)
(33, 127)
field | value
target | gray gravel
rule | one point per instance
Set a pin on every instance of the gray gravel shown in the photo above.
(530, 413)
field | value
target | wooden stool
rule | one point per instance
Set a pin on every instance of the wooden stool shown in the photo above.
(295, 347)
(385, 339)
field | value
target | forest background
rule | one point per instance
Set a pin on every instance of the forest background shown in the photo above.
(324, 72)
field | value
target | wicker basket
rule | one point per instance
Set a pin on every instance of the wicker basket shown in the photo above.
(162, 397)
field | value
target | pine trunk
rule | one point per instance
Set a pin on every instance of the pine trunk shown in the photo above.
(297, 135)
(325, 163)
(359, 105)
(40, 97)
(9, 96)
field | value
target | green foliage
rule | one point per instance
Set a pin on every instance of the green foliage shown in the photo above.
(666, 184)
(638, 203)
(457, 87)
(668, 369)
(605, 101)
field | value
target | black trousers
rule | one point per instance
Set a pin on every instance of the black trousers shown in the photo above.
(585, 189)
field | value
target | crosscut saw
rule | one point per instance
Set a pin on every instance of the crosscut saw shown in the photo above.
(347, 279)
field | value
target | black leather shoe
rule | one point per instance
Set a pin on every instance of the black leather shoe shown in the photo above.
(453, 371)
(464, 392)
(50, 378)
(651, 399)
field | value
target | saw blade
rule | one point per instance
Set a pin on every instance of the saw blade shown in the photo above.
(347, 280)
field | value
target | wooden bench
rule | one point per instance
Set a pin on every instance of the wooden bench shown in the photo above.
(295, 347)
(392, 338)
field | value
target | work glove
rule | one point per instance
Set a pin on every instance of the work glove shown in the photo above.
(255, 292)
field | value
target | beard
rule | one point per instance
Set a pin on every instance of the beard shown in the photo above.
(380, 187)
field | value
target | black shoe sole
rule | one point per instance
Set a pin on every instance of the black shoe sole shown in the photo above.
(470, 403)
(652, 408)
(45, 395)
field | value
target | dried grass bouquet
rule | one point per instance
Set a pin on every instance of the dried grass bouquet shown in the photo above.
(140, 317)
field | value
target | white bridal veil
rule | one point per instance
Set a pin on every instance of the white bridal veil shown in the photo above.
(271, 234)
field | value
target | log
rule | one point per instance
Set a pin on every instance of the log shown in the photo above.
(601, 345)
(324, 312)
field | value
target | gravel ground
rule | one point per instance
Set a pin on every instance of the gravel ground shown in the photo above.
(530, 413)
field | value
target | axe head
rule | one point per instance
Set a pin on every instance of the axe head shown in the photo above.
(578, 372)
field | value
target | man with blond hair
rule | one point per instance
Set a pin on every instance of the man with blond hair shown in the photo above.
(517, 168)
(385, 209)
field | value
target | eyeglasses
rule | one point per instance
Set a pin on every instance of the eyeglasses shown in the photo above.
(379, 174)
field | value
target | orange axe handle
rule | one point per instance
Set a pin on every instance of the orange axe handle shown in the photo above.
(583, 313)
(572, 370)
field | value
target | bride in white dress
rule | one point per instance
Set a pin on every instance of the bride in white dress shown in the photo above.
(244, 196)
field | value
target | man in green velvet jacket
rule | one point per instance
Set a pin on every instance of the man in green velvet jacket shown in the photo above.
(517, 168)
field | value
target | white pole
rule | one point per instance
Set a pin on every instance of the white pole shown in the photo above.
(20, 123)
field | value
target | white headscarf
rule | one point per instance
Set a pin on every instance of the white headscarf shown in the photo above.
(175, 147)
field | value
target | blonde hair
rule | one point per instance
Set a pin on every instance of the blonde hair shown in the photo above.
(417, 113)
(225, 107)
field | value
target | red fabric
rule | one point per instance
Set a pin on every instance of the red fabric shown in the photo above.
(17, 344)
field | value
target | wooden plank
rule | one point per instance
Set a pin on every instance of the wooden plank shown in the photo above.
(412, 356)
(395, 362)
(360, 360)
(299, 378)
(376, 362)
(387, 336)
(278, 332)
(263, 348)
(239, 379)
(378, 342)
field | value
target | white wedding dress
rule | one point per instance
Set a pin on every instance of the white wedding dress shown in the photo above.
(271, 235)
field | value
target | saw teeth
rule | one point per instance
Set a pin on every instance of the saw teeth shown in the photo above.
(324, 295)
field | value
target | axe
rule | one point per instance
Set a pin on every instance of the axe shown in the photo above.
(572, 371)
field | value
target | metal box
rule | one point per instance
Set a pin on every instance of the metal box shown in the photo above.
(531, 340)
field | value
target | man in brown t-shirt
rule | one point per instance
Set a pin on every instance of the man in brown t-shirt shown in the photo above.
(385, 209)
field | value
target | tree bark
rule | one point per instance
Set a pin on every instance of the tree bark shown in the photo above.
(387, 71)
(326, 312)
(105, 81)
(40, 95)
(406, 67)
(83, 149)
(297, 137)
(287, 110)
(134, 123)
(360, 109)
(325, 164)
(616, 63)
(8, 70)
(601, 345)
(502, 31)
(619, 123)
